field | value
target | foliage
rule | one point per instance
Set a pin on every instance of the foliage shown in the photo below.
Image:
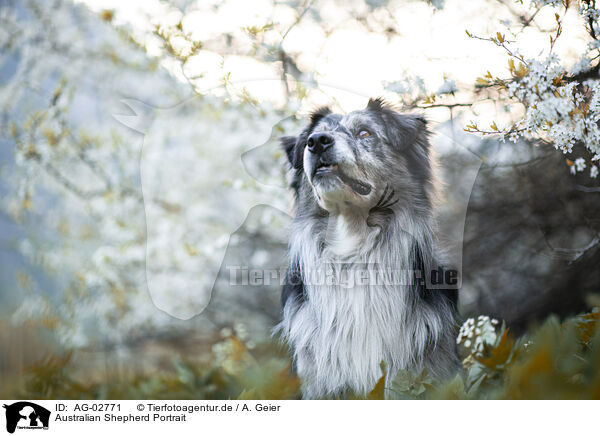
(553, 361)
(263, 374)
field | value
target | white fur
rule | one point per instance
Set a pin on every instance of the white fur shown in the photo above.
(340, 335)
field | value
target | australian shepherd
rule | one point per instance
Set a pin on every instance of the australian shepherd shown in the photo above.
(358, 298)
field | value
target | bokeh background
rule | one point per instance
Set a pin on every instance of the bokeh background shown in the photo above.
(139, 164)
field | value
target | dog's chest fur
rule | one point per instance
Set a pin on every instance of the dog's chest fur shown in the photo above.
(341, 331)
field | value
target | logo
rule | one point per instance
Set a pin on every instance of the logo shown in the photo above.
(26, 415)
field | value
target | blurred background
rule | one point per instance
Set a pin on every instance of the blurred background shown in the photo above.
(139, 166)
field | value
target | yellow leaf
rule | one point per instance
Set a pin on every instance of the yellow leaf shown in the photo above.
(587, 326)
(191, 250)
(522, 71)
(378, 392)
(494, 357)
(511, 65)
(107, 15)
(558, 80)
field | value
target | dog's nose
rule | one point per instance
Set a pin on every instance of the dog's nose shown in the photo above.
(319, 142)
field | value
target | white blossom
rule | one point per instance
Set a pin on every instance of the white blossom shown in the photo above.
(580, 164)
(474, 335)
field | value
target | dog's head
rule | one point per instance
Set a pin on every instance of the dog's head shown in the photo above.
(354, 162)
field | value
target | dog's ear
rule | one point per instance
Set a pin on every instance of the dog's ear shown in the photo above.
(416, 128)
(409, 131)
(403, 130)
(293, 150)
(378, 104)
(317, 115)
(288, 143)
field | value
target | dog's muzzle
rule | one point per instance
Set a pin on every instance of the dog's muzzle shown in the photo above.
(318, 144)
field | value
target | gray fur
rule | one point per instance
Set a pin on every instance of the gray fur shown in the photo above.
(339, 335)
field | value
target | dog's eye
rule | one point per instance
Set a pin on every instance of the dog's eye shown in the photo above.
(364, 133)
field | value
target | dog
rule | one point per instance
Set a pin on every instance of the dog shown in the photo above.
(364, 191)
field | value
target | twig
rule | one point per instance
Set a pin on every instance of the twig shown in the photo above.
(588, 188)
(579, 252)
(298, 19)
